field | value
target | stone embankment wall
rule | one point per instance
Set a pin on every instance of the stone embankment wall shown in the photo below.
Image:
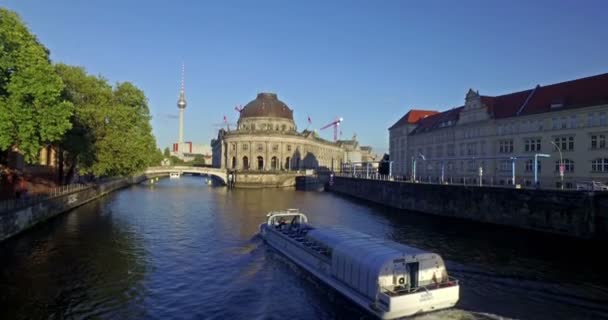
(265, 179)
(16, 221)
(571, 213)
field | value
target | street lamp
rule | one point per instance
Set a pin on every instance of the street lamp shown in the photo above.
(561, 163)
(421, 156)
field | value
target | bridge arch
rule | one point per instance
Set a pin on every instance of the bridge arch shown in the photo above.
(218, 173)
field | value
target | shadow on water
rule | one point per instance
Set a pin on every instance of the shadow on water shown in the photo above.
(52, 271)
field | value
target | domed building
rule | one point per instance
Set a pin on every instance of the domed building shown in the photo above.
(266, 139)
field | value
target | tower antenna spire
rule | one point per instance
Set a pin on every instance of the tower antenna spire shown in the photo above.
(181, 104)
(181, 89)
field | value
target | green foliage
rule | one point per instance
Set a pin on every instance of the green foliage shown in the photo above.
(111, 135)
(103, 130)
(32, 113)
(91, 96)
(125, 142)
(199, 160)
(175, 161)
(167, 153)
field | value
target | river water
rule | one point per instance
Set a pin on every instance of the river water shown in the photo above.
(182, 249)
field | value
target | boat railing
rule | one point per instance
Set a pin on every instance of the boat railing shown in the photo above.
(449, 282)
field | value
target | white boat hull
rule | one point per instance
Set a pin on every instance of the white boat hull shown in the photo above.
(395, 307)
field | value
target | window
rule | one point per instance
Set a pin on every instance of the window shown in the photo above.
(245, 147)
(532, 145)
(505, 146)
(602, 118)
(530, 165)
(439, 151)
(472, 149)
(450, 150)
(563, 123)
(568, 165)
(260, 147)
(482, 148)
(598, 141)
(288, 147)
(429, 152)
(275, 148)
(505, 165)
(564, 143)
(233, 146)
(260, 163)
(450, 166)
(245, 163)
(471, 165)
(590, 119)
(554, 123)
(600, 165)
(462, 149)
(573, 121)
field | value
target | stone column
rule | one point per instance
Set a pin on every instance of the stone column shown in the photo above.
(266, 158)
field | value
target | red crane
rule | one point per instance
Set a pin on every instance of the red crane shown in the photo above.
(335, 124)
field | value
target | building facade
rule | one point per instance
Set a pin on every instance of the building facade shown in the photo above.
(266, 139)
(495, 138)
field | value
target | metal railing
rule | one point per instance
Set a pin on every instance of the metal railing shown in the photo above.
(525, 182)
(26, 200)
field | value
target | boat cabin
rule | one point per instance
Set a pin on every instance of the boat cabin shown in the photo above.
(372, 265)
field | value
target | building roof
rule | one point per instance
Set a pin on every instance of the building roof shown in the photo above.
(438, 120)
(267, 105)
(579, 93)
(413, 116)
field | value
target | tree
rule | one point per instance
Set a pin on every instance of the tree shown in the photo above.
(384, 167)
(92, 98)
(111, 133)
(198, 160)
(125, 142)
(32, 113)
(167, 153)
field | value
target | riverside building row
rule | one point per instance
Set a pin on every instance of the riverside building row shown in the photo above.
(481, 139)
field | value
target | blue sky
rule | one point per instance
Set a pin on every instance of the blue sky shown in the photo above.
(366, 61)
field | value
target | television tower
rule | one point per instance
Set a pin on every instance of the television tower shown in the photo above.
(181, 104)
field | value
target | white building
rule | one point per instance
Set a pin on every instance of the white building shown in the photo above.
(568, 121)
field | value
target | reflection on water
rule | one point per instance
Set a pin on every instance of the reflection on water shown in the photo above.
(184, 250)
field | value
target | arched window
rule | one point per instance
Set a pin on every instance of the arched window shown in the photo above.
(568, 165)
(297, 163)
(245, 163)
(233, 162)
(260, 163)
(288, 163)
(273, 163)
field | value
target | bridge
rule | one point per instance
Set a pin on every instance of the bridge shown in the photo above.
(218, 173)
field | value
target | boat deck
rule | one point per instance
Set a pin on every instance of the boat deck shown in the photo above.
(297, 234)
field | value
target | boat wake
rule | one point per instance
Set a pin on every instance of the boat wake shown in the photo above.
(456, 314)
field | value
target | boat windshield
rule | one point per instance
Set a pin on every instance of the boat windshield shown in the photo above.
(290, 216)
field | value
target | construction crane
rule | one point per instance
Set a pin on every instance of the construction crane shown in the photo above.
(335, 124)
(238, 108)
